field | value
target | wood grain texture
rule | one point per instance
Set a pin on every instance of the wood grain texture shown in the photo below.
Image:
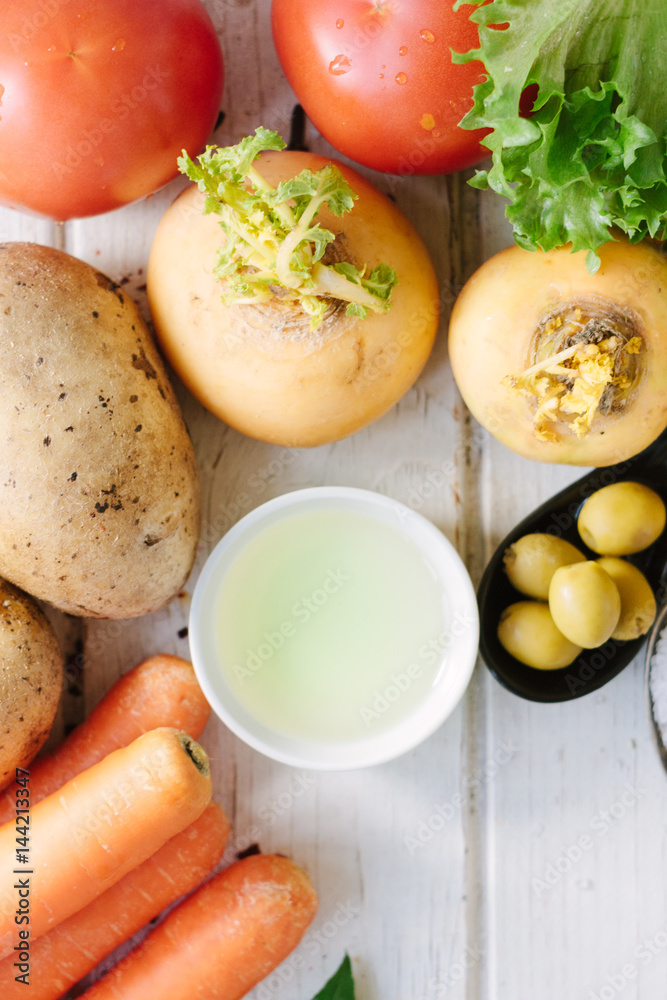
(434, 871)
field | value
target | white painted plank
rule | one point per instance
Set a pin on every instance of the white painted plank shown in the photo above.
(426, 867)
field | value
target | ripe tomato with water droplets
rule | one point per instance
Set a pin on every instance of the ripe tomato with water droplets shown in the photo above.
(376, 78)
(97, 99)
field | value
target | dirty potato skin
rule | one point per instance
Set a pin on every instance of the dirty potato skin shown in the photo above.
(31, 674)
(99, 497)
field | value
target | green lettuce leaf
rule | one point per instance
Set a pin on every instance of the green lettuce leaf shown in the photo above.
(591, 157)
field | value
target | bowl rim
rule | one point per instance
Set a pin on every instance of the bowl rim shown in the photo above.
(422, 721)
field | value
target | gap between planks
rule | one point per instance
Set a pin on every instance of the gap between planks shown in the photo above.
(465, 256)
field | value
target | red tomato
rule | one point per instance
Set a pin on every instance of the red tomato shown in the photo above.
(98, 98)
(377, 80)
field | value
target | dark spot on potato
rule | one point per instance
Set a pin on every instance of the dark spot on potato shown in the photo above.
(109, 285)
(133, 399)
(47, 440)
(142, 364)
(183, 632)
(150, 540)
(40, 361)
(101, 507)
(110, 492)
(72, 478)
(70, 428)
(62, 395)
(137, 428)
(95, 314)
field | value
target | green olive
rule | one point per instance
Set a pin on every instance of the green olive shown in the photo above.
(532, 560)
(527, 631)
(638, 606)
(621, 519)
(585, 603)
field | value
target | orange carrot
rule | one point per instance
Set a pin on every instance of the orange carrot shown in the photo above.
(161, 691)
(220, 942)
(72, 949)
(98, 827)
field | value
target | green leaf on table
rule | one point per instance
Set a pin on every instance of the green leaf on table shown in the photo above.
(341, 984)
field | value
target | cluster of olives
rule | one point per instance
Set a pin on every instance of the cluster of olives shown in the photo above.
(579, 603)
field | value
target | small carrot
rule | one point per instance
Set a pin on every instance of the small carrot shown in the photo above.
(71, 950)
(160, 691)
(99, 826)
(222, 940)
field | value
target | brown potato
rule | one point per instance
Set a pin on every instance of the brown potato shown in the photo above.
(31, 675)
(99, 499)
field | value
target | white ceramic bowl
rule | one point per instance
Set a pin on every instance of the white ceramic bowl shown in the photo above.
(456, 648)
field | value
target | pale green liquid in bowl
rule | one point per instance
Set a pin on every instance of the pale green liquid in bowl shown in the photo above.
(331, 626)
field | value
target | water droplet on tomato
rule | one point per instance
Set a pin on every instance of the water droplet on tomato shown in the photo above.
(428, 122)
(403, 51)
(339, 65)
(427, 36)
(119, 46)
(340, 23)
(401, 78)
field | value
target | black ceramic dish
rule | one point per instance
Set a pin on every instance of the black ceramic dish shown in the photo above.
(558, 516)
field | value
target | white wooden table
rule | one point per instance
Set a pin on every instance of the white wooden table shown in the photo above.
(521, 852)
